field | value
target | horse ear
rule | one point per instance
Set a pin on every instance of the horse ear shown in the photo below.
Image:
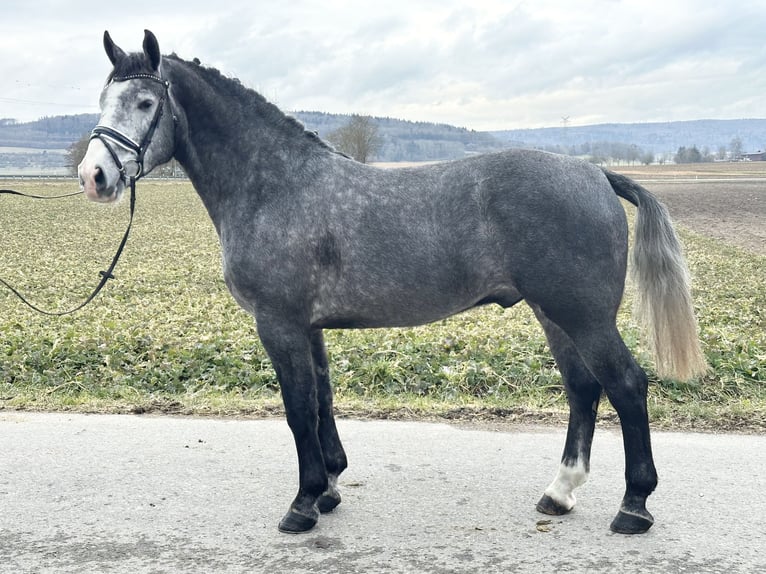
(113, 51)
(152, 50)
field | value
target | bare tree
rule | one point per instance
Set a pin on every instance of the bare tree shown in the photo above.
(735, 147)
(647, 157)
(76, 152)
(359, 138)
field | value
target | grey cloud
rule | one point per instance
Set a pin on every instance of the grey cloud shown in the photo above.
(481, 64)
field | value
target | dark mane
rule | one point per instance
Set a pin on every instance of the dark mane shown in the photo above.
(249, 98)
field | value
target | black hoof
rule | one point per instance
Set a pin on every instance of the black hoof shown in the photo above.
(632, 522)
(547, 505)
(328, 501)
(294, 523)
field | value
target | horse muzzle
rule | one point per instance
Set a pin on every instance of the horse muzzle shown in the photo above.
(100, 180)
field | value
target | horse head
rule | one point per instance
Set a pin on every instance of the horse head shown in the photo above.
(136, 130)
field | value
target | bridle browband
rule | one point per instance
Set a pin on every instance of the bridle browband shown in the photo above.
(108, 134)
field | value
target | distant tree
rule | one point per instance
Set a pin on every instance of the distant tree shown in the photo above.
(647, 158)
(633, 154)
(76, 152)
(736, 148)
(721, 155)
(690, 155)
(359, 138)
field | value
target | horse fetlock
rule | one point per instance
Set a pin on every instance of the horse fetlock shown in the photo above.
(330, 498)
(328, 501)
(559, 497)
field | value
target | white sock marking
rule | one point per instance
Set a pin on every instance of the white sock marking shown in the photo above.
(568, 478)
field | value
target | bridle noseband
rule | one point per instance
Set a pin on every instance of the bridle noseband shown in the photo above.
(108, 134)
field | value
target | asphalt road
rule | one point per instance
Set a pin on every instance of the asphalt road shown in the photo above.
(140, 494)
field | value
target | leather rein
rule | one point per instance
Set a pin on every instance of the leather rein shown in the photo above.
(109, 137)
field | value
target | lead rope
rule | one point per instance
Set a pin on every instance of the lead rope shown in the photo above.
(105, 133)
(32, 196)
(105, 275)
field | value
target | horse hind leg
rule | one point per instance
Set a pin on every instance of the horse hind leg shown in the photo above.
(583, 394)
(605, 355)
(332, 450)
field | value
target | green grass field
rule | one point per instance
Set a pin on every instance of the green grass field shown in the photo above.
(166, 335)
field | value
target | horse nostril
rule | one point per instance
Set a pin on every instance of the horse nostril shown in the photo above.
(99, 178)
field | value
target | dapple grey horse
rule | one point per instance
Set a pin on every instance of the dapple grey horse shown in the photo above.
(312, 240)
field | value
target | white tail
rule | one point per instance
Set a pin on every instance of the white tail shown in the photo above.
(663, 302)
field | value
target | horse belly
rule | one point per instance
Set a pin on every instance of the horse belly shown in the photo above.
(397, 299)
(381, 314)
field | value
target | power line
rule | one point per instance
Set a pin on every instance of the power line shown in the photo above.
(41, 103)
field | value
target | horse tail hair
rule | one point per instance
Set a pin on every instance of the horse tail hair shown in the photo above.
(663, 303)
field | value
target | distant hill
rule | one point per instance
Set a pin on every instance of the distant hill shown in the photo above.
(57, 132)
(422, 141)
(659, 138)
(410, 141)
(402, 140)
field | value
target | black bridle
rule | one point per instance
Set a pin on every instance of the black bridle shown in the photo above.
(109, 136)
(106, 135)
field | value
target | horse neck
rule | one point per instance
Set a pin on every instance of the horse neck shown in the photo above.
(233, 142)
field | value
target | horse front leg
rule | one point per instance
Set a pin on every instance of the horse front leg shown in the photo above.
(290, 350)
(332, 450)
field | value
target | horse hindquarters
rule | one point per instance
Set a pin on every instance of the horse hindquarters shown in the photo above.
(567, 255)
(587, 345)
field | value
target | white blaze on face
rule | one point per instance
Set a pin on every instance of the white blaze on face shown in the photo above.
(99, 174)
(567, 480)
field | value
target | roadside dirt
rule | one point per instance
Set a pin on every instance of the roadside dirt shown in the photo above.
(732, 211)
(726, 202)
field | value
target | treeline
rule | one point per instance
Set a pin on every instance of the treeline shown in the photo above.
(403, 140)
(605, 152)
(617, 152)
(663, 137)
(734, 152)
(41, 159)
(693, 155)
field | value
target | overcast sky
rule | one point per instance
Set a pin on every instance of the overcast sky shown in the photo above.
(480, 64)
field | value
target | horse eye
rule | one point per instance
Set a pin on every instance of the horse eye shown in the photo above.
(145, 105)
